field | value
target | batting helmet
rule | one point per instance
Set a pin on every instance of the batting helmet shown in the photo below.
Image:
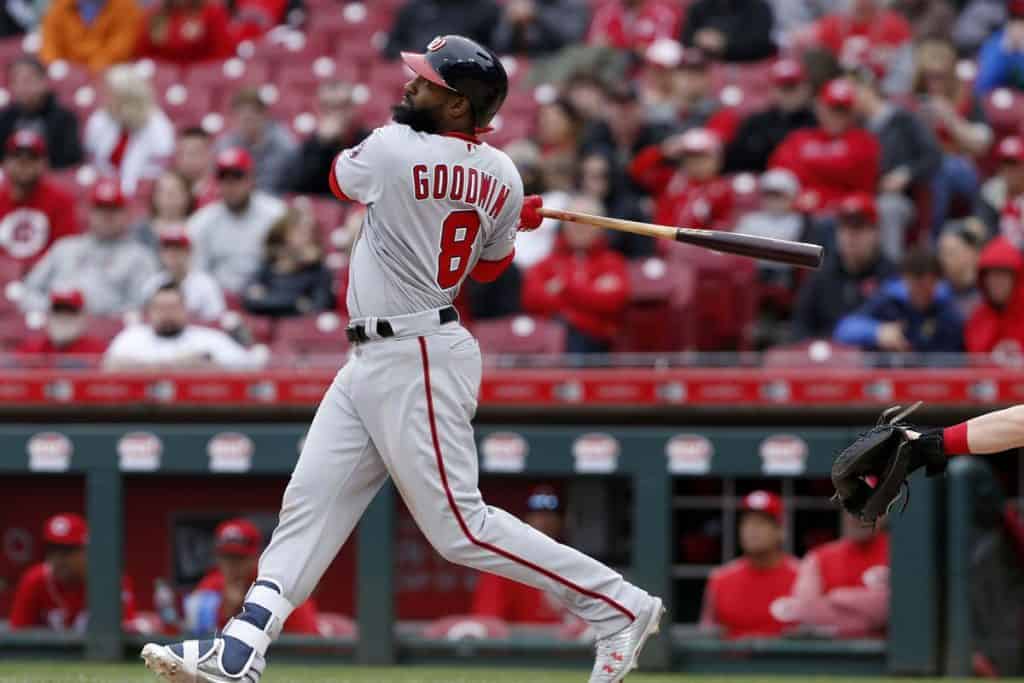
(467, 68)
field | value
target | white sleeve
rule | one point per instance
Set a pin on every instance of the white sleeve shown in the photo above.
(124, 347)
(228, 353)
(360, 171)
(502, 240)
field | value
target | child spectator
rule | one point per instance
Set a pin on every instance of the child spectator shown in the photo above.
(186, 32)
(268, 142)
(64, 342)
(959, 248)
(997, 324)
(203, 298)
(34, 105)
(731, 30)
(634, 24)
(1001, 61)
(170, 205)
(97, 34)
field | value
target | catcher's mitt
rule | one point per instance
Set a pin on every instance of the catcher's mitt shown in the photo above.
(870, 475)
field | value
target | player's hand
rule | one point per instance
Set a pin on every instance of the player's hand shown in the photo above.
(529, 219)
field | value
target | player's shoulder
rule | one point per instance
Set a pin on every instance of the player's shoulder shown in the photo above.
(730, 570)
(34, 576)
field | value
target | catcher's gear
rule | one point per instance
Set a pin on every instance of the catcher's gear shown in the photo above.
(870, 475)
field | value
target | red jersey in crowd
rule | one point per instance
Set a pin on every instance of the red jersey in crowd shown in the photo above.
(513, 602)
(302, 620)
(43, 345)
(40, 601)
(29, 226)
(749, 601)
(830, 167)
(844, 36)
(679, 200)
(589, 290)
(624, 28)
(989, 327)
(253, 18)
(187, 35)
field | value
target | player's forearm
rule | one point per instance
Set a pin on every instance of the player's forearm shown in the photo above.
(990, 433)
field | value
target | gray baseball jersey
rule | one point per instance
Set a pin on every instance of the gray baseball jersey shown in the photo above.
(436, 204)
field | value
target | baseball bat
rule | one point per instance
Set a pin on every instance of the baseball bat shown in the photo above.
(765, 248)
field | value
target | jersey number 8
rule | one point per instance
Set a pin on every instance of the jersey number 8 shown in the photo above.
(458, 232)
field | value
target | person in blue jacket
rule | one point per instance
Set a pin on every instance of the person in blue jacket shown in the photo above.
(1001, 60)
(914, 312)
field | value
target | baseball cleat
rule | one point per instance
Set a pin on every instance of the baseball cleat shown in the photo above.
(199, 661)
(618, 653)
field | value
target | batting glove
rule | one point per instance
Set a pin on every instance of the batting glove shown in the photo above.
(529, 219)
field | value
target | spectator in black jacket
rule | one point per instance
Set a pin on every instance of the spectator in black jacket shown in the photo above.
(419, 21)
(337, 128)
(293, 279)
(761, 132)
(537, 27)
(731, 30)
(850, 275)
(33, 105)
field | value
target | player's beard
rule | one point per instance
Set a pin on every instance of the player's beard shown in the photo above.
(420, 120)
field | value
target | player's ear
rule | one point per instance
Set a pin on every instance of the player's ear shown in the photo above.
(458, 106)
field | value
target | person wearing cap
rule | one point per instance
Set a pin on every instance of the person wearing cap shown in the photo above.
(683, 175)
(52, 594)
(539, 27)
(34, 105)
(107, 264)
(851, 273)
(513, 602)
(166, 340)
(228, 235)
(269, 143)
(218, 596)
(129, 136)
(1001, 203)
(35, 211)
(749, 597)
(997, 324)
(762, 131)
(634, 24)
(193, 160)
(915, 312)
(95, 33)
(65, 341)
(1001, 60)
(731, 30)
(838, 157)
(204, 299)
(842, 587)
(959, 250)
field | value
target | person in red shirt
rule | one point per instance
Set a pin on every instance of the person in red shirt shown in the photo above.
(51, 594)
(1010, 155)
(997, 323)
(582, 281)
(186, 32)
(64, 343)
(513, 602)
(219, 595)
(34, 210)
(836, 159)
(750, 596)
(634, 24)
(842, 587)
(683, 175)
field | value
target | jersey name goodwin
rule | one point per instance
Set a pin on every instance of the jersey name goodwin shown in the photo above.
(458, 183)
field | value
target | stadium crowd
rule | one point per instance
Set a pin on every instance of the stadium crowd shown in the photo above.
(165, 168)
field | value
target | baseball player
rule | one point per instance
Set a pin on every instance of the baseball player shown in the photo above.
(441, 205)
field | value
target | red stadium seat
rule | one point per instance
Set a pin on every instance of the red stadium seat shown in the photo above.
(105, 329)
(12, 329)
(814, 353)
(316, 334)
(331, 625)
(184, 105)
(386, 80)
(520, 334)
(1004, 108)
(659, 292)
(725, 297)
(221, 80)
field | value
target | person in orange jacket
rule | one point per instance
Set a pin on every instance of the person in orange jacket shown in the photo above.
(94, 33)
(582, 281)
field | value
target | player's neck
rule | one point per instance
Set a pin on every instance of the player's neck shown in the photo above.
(765, 560)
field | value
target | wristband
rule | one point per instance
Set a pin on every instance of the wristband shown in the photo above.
(954, 439)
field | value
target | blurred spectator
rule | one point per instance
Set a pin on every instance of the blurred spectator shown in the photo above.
(97, 34)
(977, 21)
(52, 594)
(559, 127)
(959, 247)
(64, 336)
(835, 159)
(35, 211)
(730, 30)
(251, 19)
(219, 595)
(203, 298)
(761, 132)
(193, 159)
(130, 136)
(634, 24)
(417, 22)
(167, 341)
(18, 17)
(170, 205)
(749, 596)
(693, 193)
(497, 298)
(694, 103)
(267, 141)
(910, 158)
(228, 235)
(513, 602)
(34, 105)
(850, 274)
(583, 282)
(866, 29)
(1002, 197)
(292, 279)
(538, 27)
(928, 18)
(997, 324)
(916, 312)
(793, 18)
(525, 154)
(842, 588)
(106, 263)
(601, 179)
(777, 218)
(624, 128)
(946, 102)
(1001, 60)
(186, 32)
(338, 128)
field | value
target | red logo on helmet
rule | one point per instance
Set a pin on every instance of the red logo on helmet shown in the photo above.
(436, 44)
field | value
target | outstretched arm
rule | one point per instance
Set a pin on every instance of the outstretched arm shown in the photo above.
(992, 432)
